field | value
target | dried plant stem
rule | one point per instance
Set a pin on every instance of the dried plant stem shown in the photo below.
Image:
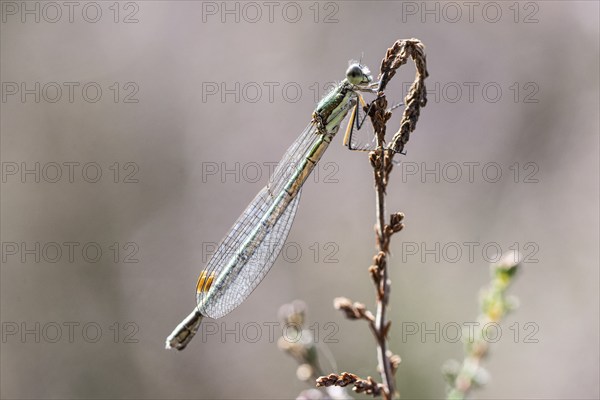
(384, 283)
(382, 352)
(381, 161)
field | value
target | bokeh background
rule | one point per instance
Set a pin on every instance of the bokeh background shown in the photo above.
(159, 124)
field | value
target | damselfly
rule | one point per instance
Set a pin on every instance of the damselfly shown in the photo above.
(246, 254)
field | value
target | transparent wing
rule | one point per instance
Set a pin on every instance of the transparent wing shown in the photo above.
(243, 278)
(246, 254)
(359, 139)
(294, 155)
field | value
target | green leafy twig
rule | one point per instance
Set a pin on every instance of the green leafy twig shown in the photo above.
(494, 305)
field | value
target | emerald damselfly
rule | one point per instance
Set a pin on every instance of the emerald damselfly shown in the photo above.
(246, 254)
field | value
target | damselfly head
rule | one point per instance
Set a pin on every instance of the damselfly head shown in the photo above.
(358, 74)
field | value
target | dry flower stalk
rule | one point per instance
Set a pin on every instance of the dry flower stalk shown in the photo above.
(366, 386)
(381, 161)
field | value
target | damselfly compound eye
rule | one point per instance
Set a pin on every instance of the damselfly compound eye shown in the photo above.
(358, 74)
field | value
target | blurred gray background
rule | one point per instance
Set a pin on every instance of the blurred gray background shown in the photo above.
(163, 141)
